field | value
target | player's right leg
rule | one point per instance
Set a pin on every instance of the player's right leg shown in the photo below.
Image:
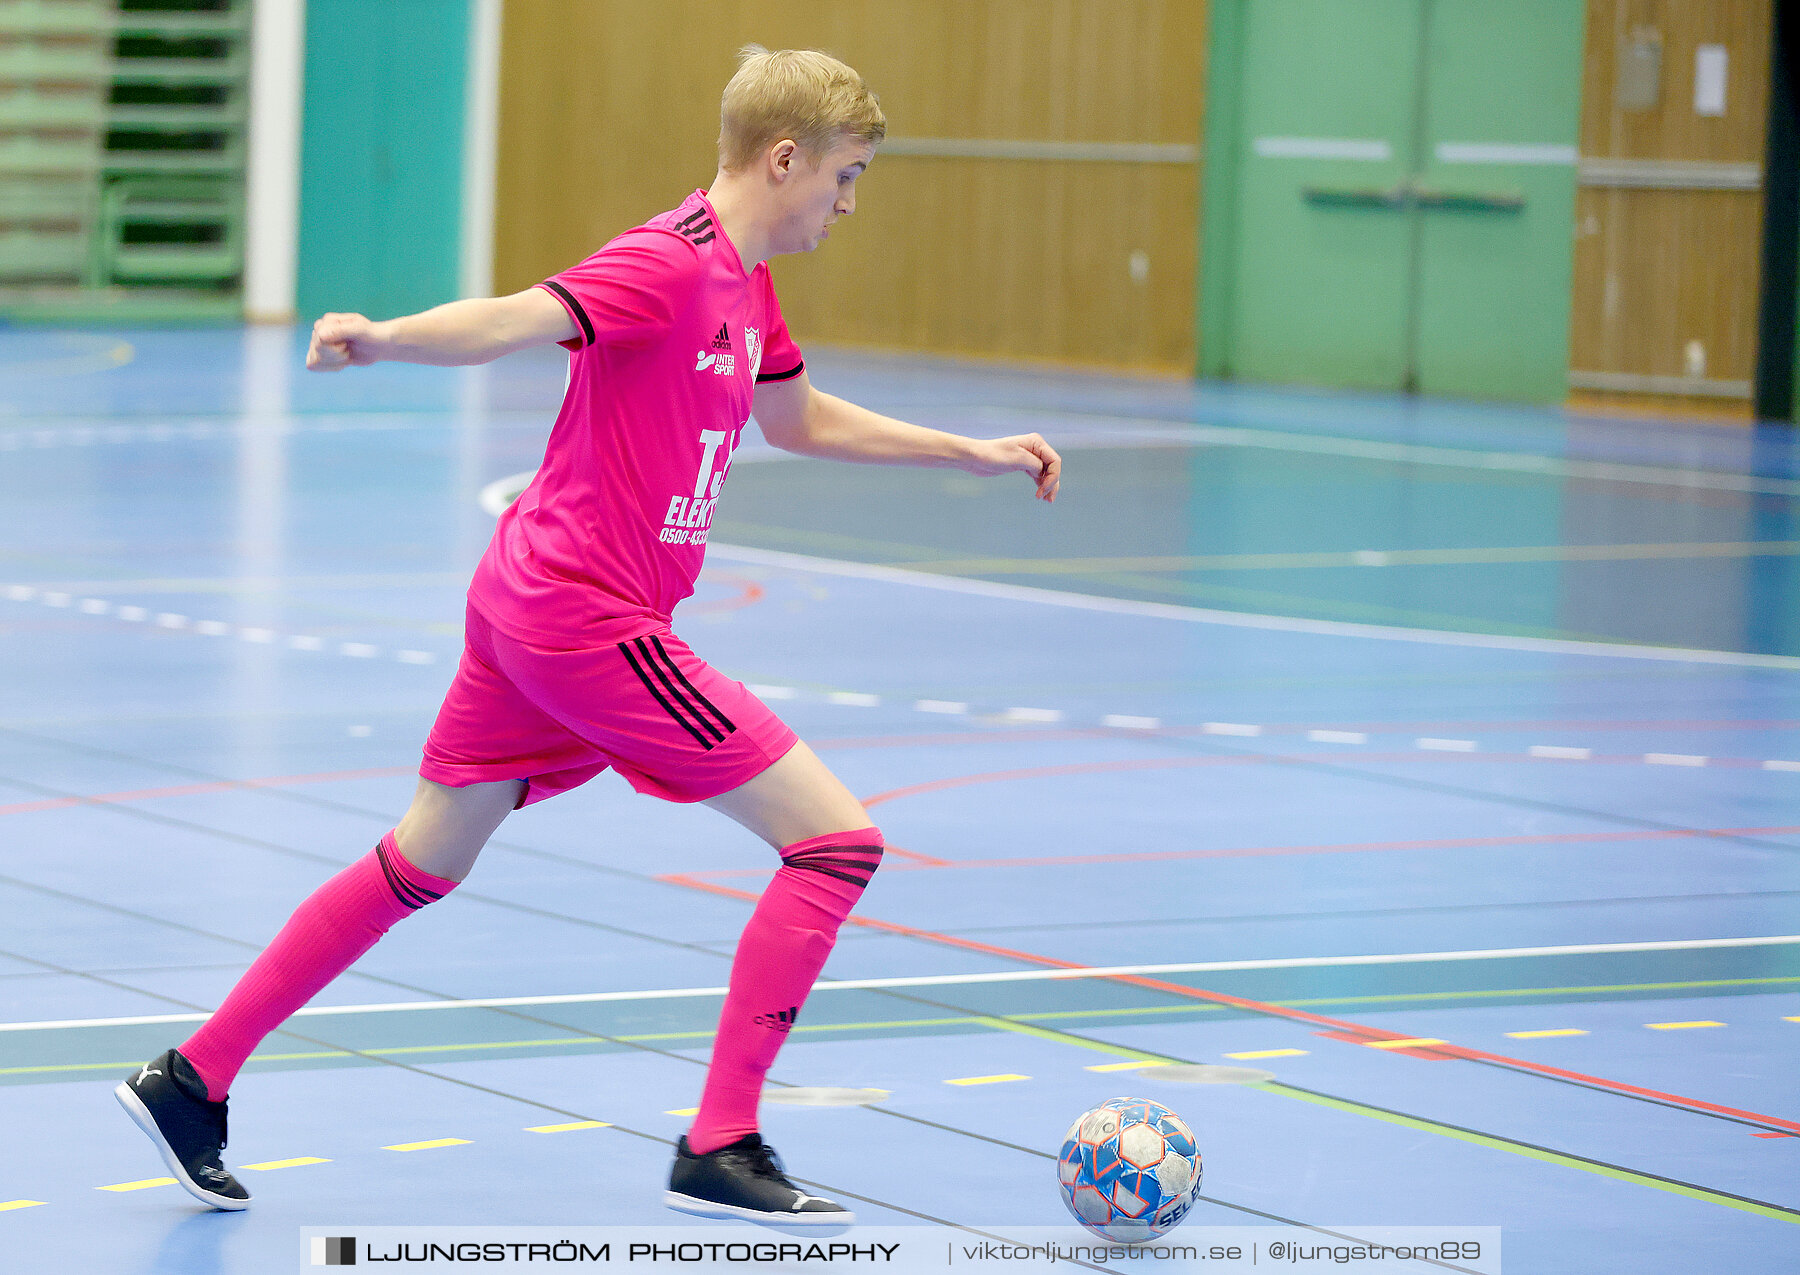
(179, 1098)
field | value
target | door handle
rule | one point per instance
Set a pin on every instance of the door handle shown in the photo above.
(1469, 200)
(1408, 194)
(1393, 197)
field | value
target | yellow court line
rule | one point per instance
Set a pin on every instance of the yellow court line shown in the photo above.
(6, 1206)
(1124, 1066)
(1791, 1018)
(139, 1185)
(427, 1146)
(1674, 1027)
(1415, 1042)
(1548, 1031)
(567, 1128)
(988, 1080)
(1267, 1053)
(295, 1163)
(683, 1111)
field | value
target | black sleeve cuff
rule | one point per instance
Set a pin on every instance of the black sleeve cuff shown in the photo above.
(788, 375)
(587, 326)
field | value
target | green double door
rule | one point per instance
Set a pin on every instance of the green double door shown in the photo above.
(1401, 200)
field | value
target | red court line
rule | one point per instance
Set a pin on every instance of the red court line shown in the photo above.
(1045, 735)
(1348, 847)
(891, 927)
(189, 790)
(1249, 759)
(1071, 768)
(1050, 735)
(1364, 1033)
(922, 860)
(749, 592)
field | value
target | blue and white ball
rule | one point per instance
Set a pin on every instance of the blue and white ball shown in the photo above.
(1130, 1170)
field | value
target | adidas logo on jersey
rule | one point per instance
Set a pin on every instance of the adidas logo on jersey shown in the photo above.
(781, 1020)
(723, 340)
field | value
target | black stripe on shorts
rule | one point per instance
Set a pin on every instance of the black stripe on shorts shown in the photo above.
(625, 649)
(693, 690)
(676, 692)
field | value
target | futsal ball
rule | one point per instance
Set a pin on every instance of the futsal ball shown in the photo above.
(1130, 1170)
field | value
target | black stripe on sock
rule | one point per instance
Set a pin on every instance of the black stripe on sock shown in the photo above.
(412, 896)
(849, 865)
(403, 889)
(841, 856)
(848, 847)
(788, 375)
(859, 882)
(625, 650)
(661, 676)
(587, 327)
(693, 690)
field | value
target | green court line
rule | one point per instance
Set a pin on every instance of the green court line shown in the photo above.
(1051, 1034)
(1015, 1022)
(506, 1044)
(1530, 1151)
(1423, 1125)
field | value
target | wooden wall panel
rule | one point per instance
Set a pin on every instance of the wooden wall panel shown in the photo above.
(609, 112)
(1656, 269)
(1683, 265)
(1672, 130)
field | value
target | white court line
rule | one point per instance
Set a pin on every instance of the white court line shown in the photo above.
(950, 980)
(1238, 619)
(206, 628)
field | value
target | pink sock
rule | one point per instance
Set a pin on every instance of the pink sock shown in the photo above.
(780, 955)
(337, 923)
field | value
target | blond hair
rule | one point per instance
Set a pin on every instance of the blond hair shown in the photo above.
(801, 94)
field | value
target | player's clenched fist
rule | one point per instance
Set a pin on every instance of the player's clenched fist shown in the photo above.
(342, 340)
(1022, 453)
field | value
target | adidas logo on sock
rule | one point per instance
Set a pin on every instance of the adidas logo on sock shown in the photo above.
(781, 1020)
(723, 340)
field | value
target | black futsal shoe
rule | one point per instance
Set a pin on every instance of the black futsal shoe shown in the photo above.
(167, 1099)
(744, 1180)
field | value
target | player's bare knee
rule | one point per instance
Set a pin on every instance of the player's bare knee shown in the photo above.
(446, 828)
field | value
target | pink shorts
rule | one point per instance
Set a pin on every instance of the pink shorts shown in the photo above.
(650, 708)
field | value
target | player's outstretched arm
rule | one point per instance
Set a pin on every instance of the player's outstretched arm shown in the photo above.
(798, 418)
(452, 335)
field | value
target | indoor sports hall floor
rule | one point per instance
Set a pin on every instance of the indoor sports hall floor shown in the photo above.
(1506, 914)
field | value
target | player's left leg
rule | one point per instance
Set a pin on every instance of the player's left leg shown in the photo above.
(829, 850)
(179, 1099)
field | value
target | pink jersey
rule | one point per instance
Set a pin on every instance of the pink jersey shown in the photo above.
(673, 337)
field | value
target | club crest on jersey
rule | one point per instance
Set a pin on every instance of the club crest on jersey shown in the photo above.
(753, 350)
